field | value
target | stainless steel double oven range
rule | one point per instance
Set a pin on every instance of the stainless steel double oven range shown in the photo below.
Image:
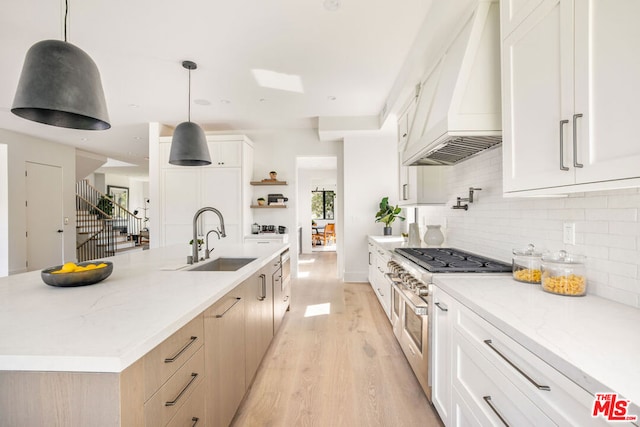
(411, 272)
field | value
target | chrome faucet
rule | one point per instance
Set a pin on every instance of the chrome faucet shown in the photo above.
(206, 239)
(195, 229)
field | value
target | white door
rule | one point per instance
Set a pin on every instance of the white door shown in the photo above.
(44, 216)
(536, 98)
(607, 88)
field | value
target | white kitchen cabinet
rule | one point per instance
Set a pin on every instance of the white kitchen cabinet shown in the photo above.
(224, 153)
(490, 396)
(378, 259)
(442, 354)
(184, 190)
(423, 185)
(569, 97)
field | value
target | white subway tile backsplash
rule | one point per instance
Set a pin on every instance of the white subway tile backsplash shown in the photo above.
(612, 215)
(607, 225)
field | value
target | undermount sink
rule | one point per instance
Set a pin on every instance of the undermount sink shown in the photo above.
(222, 264)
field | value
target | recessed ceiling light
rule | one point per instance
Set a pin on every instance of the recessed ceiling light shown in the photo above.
(331, 5)
(331, 98)
(225, 101)
(137, 138)
(134, 106)
(83, 139)
(202, 102)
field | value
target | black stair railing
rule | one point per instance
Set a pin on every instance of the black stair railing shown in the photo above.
(102, 224)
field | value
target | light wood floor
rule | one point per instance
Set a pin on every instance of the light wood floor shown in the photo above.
(339, 369)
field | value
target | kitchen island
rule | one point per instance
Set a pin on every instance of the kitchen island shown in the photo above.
(97, 338)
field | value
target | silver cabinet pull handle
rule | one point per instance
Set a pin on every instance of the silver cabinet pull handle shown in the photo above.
(495, 410)
(562, 166)
(182, 350)
(442, 306)
(405, 191)
(195, 421)
(194, 375)
(218, 316)
(535, 384)
(381, 294)
(263, 287)
(575, 141)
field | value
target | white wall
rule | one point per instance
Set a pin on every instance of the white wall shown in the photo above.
(370, 173)
(20, 149)
(607, 226)
(4, 211)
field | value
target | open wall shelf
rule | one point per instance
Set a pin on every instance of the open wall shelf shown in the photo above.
(268, 182)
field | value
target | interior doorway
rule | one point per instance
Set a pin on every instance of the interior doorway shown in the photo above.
(44, 210)
(318, 201)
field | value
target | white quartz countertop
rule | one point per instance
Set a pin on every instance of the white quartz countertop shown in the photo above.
(593, 341)
(107, 326)
(389, 243)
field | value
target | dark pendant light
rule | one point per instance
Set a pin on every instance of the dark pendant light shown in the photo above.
(60, 86)
(189, 144)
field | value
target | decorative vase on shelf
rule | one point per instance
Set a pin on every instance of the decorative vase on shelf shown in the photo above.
(433, 236)
(387, 231)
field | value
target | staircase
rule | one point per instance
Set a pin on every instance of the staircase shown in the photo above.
(103, 227)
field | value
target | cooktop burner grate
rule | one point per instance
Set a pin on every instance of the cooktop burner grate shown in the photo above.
(449, 260)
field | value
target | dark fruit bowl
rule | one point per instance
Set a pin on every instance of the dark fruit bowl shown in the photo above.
(77, 278)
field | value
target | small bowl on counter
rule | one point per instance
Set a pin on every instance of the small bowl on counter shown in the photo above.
(527, 265)
(564, 274)
(81, 274)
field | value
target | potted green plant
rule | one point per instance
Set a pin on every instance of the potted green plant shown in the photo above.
(388, 214)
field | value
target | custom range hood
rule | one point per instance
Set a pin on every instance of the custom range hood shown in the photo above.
(458, 110)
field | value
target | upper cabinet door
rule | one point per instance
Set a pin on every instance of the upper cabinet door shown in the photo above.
(225, 154)
(537, 96)
(607, 85)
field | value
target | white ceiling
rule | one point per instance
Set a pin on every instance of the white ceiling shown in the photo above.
(353, 54)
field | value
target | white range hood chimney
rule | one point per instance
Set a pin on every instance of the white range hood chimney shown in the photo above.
(458, 111)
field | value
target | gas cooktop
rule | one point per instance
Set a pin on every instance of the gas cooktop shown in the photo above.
(449, 260)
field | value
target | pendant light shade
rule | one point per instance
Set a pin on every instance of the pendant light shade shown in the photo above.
(189, 144)
(60, 86)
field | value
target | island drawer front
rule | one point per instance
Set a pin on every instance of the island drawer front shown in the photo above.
(166, 403)
(165, 359)
(566, 402)
(191, 414)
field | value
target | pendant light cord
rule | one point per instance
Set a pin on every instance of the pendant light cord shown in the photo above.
(189, 100)
(66, 13)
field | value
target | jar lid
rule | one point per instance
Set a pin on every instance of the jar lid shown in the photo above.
(564, 258)
(530, 250)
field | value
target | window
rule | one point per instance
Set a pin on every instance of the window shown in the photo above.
(322, 204)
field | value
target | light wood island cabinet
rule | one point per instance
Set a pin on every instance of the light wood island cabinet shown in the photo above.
(225, 357)
(196, 377)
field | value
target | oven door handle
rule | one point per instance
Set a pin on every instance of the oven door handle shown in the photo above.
(417, 304)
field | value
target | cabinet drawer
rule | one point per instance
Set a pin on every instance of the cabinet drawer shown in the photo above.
(167, 401)
(191, 414)
(490, 397)
(164, 360)
(564, 401)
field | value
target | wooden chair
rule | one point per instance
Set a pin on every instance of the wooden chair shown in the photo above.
(329, 234)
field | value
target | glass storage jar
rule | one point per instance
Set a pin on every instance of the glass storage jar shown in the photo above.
(526, 264)
(564, 274)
